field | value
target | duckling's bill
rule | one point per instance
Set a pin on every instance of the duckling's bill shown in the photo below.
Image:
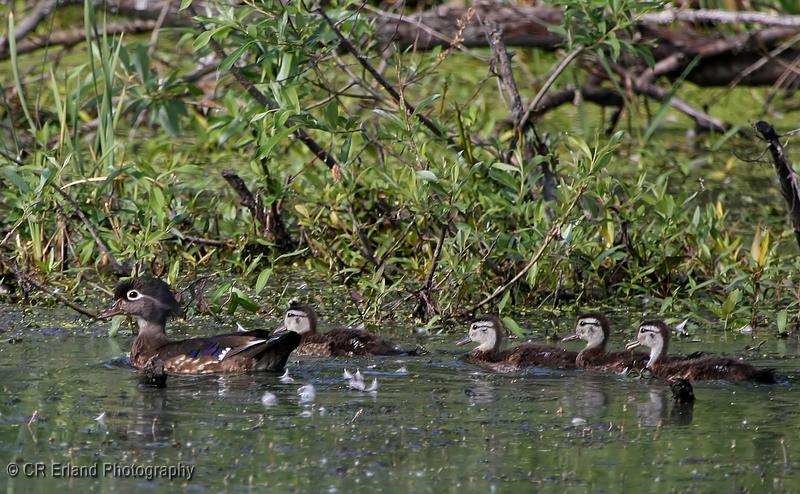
(632, 344)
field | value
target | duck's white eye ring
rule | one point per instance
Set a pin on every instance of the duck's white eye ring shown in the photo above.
(133, 295)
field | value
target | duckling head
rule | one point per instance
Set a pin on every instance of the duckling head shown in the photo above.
(487, 331)
(302, 319)
(149, 300)
(593, 328)
(655, 336)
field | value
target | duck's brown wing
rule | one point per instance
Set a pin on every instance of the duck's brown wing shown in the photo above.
(715, 368)
(616, 362)
(535, 355)
(236, 352)
(349, 342)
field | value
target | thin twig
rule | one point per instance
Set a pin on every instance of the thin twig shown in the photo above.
(115, 266)
(408, 107)
(41, 286)
(562, 65)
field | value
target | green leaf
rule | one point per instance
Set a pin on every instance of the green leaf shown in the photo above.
(233, 57)
(783, 315)
(184, 4)
(262, 280)
(202, 40)
(512, 326)
(427, 176)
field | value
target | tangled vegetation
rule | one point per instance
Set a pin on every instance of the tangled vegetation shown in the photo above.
(248, 139)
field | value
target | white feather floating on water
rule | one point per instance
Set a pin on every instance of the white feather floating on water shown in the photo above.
(240, 328)
(269, 399)
(307, 393)
(402, 370)
(286, 378)
(101, 418)
(682, 326)
(356, 381)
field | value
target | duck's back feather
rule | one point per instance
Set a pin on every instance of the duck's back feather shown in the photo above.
(234, 352)
(713, 368)
(347, 342)
(523, 356)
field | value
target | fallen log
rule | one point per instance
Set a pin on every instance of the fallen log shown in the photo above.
(722, 57)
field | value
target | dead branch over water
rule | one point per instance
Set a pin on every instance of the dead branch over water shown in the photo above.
(790, 183)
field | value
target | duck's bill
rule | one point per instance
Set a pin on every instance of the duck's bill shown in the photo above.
(280, 329)
(570, 337)
(631, 345)
(112, 311)
(463, 340)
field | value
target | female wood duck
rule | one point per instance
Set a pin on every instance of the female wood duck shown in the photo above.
(594, 328)
(342, 342)
(489, 332)
(151, 302)
(655, 335)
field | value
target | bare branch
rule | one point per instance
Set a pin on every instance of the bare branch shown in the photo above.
(669, 16)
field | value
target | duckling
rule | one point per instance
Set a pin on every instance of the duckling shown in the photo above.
(152, 302)
(594, 328)
(489, 332)
(342, 342)
(655, 335)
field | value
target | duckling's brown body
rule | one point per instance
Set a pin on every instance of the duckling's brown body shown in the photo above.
(524, 356)
(711, 368)
(346, 342)
(655, 334)
(488, 331)
(151, 301)
(597, 359)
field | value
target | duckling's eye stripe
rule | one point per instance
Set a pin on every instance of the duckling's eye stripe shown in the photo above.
(485, 325)
(589, 322)
(296, 314)
(648, 329)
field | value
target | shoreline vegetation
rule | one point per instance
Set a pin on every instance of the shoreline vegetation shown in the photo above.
(433, 161)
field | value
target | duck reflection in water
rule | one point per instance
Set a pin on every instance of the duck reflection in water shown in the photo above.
(663, 407)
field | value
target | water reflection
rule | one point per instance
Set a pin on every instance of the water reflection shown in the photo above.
(661, 409)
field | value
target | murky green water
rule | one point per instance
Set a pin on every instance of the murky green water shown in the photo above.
(441, 426)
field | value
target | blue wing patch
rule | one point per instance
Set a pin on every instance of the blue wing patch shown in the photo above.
(211, 348)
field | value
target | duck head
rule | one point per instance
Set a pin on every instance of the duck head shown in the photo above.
(149, 300)
(655, 336)
(593, 328)
(300, 318)
(487, 331)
